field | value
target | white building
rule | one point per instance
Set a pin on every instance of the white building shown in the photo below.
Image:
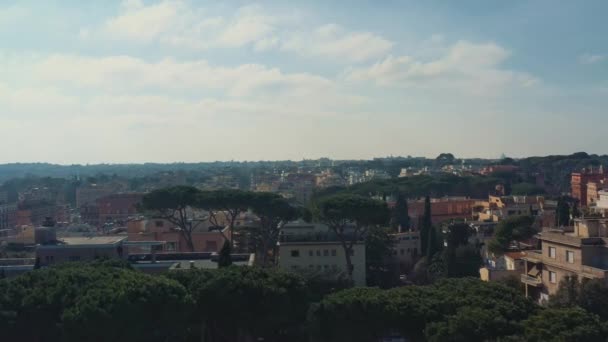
(306, 247)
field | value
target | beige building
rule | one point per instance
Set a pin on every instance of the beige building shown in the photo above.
(322, 256)
(312, 247)
(407, 247)
(580, 250)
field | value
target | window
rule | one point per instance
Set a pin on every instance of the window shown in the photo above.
(333, 252)
(570, 257)
(74, 258)
(311, 253)
(326, 252)
(552, 252)
(159, 223)
(552, 277)
(211, 246)
(318, 252)
(295, 253)
(326, 267)
(402, 251)
(171, 246)
(49, 259)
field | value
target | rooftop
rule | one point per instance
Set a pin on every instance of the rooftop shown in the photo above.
(92, 240)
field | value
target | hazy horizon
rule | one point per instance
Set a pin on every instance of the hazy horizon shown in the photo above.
(198, 81)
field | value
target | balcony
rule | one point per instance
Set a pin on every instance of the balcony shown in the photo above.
(532, 281)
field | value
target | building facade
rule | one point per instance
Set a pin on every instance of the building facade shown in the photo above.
(580, 250)
(580, 180)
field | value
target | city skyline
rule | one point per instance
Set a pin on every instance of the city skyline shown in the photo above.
(189, 81)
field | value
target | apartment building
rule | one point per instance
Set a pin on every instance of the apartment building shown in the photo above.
(8, 216)
(442, 209)
(305, 247)
(407, 247)
(580, 180)
(581, 250)
(164, 231)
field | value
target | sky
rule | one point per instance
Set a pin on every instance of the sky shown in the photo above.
(169, 81)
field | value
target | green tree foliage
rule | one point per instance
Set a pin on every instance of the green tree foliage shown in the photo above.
(245, 302)
(381, 270)
(562, 215)
(80, 302)
(225, 259)
(175, 205)
(426, 225)
(458, 234)
(422, 312)
(568, 325)
(228, 203)
(589, 294)
(400, 214)
(350, 217)
(526, 189)
(273, 211)
(514, 228)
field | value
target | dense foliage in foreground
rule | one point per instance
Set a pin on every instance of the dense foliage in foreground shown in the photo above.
(110, 302)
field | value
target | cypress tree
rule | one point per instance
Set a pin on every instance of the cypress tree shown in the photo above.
(225, 259)
(426, 227)
(400, 215)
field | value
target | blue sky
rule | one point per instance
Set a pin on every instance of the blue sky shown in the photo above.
(163, 81)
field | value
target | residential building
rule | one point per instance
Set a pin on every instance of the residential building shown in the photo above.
(580, 180)
(581, 250)
(88, 195)
(305, 247)
(601, 205)
(203, 239)
(113, 209)
(80, 249)
(407, 248)
(8, 216)
(35, 212)
(510, 264)
(442, 209)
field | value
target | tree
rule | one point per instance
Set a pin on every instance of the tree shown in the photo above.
(381, 271)
(421, 313)
(400, 218)
(175, 205)
(425, 227)
(576, 213)
(228, 203)
(562, 215)
(514, 228)
(225, 259)
(445, 158)
(247, 303)
(350, 217)
(80, 302)
(589, 294)
(572, 324)
(567, 294)
(458, 234)
(273, 211)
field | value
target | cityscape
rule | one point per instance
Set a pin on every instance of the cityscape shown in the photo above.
(181, 170)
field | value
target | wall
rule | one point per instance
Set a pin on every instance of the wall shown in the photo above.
(321, 257)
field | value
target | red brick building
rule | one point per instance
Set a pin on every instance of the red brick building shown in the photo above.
(580, 180)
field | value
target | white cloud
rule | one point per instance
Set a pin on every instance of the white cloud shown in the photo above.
(181, 25)
(465, 66)
(337, 43)
(145, 23)
(125, 73)
(588, 58)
